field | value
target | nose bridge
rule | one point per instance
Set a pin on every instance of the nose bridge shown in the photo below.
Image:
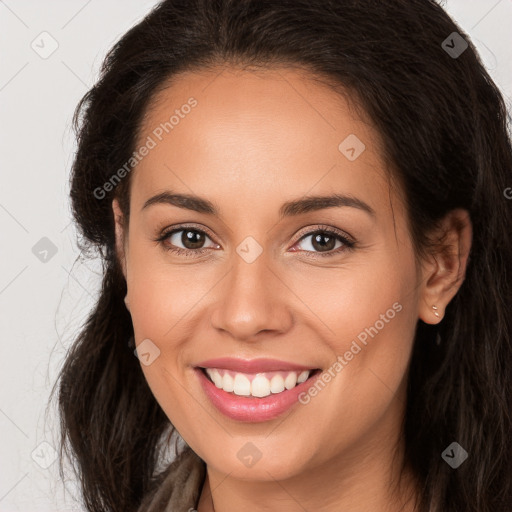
(252, 297)
(250, 276)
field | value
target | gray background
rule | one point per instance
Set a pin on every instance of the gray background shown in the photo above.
(45, 296)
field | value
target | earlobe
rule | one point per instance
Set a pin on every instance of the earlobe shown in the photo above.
(127, 303)
(445, 271)
(119, 233)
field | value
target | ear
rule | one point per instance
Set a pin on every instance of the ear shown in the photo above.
(120, 235)
(444, 271)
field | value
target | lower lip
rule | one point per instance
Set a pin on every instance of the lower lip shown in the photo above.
(252, 409)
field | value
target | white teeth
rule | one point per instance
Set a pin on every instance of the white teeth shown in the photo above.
(242, 385)
(290, 381)
(277, 384)
(303, 376)
(260, 386)
(216, 377)
(228, 384)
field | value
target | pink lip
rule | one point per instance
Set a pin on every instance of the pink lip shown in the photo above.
(252, 366)
(252, 409)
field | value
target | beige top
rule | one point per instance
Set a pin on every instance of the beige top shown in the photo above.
(181, 487)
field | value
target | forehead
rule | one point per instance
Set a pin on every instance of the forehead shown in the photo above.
(242, 133)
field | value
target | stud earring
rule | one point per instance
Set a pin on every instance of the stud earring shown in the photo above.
(435, 311)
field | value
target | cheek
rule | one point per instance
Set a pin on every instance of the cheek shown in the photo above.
(367, 315)
(161, 294)
(356, 301)
(374, 325)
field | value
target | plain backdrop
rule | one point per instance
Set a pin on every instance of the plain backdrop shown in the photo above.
(50, 56)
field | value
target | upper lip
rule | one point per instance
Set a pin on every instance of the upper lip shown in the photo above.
(252, 365)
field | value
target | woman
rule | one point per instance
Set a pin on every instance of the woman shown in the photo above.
(302, 212)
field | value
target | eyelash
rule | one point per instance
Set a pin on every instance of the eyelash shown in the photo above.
(193, 253)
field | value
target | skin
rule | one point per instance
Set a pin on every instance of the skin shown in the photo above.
(254, 141)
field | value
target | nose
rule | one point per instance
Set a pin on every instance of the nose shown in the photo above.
(252, 300)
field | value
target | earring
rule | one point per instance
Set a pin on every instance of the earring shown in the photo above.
(435, 311)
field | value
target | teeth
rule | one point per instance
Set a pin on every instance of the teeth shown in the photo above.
(217, 379)
(303, 376)
(242, 385)
(262, 384)
(290, 381)
(277, 384)
(228, 383)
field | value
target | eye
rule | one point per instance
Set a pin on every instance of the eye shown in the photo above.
(323, 242)
(191, 238)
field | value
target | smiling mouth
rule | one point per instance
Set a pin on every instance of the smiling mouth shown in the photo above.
(258, 385)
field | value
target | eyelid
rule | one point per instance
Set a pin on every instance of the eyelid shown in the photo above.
(322, 228)
(165, 233)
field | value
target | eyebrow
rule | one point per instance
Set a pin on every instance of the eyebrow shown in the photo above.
(288, 209)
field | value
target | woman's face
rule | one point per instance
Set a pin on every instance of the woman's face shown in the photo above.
(260, 279)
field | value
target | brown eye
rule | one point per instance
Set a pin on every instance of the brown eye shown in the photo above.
(191, 239)
(323, 242)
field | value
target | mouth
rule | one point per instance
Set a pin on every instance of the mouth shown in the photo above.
(243, 394)
(257, 385)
